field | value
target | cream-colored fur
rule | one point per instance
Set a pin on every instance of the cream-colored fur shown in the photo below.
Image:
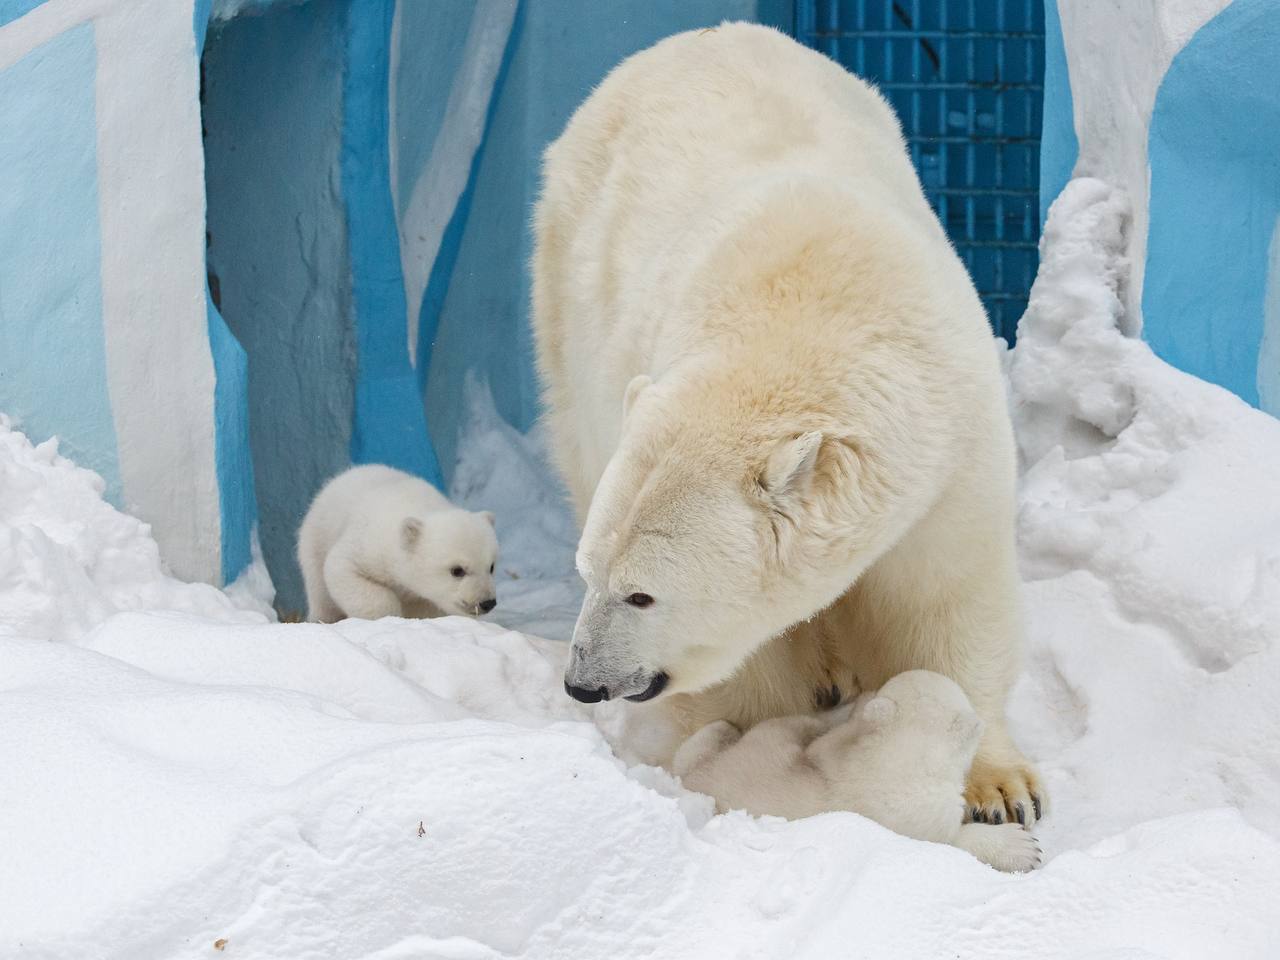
(898, 757)
(775, 399)
(377, 542)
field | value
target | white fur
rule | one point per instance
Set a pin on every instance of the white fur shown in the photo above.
(900, 759)
(774, 397)
(377, 542)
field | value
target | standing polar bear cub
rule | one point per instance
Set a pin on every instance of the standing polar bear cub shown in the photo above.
(899, 758)
(377, 542)
(774, 397)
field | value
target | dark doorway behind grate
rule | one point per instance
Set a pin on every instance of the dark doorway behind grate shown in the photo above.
(966, 78)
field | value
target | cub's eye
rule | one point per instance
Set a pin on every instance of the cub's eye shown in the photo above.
(641, 600)
(458, 573)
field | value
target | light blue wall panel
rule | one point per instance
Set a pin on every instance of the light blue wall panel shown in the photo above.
(1215, 197)
(53, 373)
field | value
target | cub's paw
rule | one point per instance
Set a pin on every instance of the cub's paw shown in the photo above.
(1005, 846)
(704, 745)
(1004, 793)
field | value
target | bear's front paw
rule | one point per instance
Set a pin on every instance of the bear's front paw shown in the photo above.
(1003, 793)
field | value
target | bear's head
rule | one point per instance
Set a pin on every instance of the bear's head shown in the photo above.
(707, 536)
(923, 703)
(449, 558)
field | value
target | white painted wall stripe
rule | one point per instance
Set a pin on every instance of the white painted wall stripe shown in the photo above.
(1117, 54)
(435, 193)
(1269, 349)
(151, 188)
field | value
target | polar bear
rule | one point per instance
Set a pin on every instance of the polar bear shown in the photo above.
(898, 756)
(774, 397)
(377, 542)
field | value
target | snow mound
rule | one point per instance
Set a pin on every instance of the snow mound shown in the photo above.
(68, 560)
(186, 773)
(1150, 536)
(505, 471)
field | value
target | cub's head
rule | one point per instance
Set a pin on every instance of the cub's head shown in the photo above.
(700, 545)
(449, 558)
(923, 703)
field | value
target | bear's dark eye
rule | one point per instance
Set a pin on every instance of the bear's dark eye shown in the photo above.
(491, 566)
(458, 573)
(640, 600)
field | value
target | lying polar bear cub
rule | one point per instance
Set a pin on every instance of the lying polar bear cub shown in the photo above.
(377, 542)
(898, 756)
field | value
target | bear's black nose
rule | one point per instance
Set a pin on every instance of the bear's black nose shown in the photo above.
(487, 605)
(586, 694)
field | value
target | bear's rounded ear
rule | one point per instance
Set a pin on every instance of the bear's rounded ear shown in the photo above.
(410, 533)
(488, 515)
(637, 386)
(878, 713)
(789, 469)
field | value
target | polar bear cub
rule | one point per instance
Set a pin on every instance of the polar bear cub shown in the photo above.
(898, 757)
(377, 542)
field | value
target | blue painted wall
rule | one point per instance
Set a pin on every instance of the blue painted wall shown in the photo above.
(233, 456)
(564, 48)
(390, 426)
(435, 36)
(273, 116)
(1059, 147)
(302, 224)
(1215, 198)
(50, 254)
(13, 9)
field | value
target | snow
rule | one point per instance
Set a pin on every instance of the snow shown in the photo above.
(178, 770)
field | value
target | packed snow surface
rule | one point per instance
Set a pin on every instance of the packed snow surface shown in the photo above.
(179, 772)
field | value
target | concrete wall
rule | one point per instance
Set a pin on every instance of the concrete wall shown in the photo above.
(50, 253)
(1178, 106)
(371, 168)
(103, 320)
(1214, 151)
(278, 252)
(562, 49)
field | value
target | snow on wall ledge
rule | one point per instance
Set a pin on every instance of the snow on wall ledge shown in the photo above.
(1175, 104)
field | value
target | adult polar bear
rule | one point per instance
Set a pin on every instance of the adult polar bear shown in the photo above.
(774, 397)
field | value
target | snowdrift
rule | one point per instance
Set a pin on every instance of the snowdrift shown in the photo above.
(179, 771)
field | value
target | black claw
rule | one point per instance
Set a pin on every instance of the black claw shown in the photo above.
(997, 816)
(1035, 803)
(974, 813)
(1021, 813)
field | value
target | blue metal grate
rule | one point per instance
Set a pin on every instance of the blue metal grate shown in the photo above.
(966, 78)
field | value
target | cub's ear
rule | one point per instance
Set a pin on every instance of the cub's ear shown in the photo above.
(637, 386)
(410, 533)
(878, 713)
(789, 470)
(488, 515)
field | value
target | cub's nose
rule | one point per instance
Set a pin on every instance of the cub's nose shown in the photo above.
(487, 605)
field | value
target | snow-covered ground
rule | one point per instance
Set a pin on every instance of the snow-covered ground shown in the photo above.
(177, 772)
